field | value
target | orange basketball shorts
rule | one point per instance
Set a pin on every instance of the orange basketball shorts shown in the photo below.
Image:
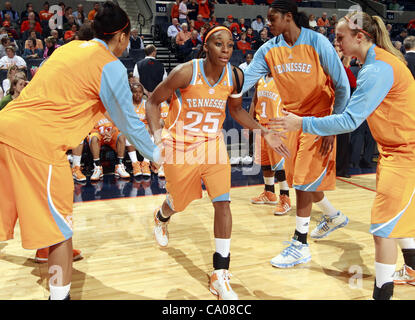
(265, 156)
(112, 143)
(393, 211)
(306, 169)
(39, 194)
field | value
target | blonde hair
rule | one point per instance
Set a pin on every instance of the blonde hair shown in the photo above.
(374, 30)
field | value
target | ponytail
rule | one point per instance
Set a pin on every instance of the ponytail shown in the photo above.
(285, 6)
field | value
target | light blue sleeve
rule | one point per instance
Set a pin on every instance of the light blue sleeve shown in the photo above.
(117, 98)
(373, 84)
(332, 66)
(257, 68)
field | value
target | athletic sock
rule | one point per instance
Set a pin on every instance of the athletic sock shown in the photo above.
(301, 229)
(97, 162)
(133, 156)
(59, 293)
(384, 273)
(269, 184)
(327, 207)
(407, 243)
(76, 161)
(161, 217)
(282, 181)
(223, 246)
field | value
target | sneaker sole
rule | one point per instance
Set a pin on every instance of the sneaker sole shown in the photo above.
(160, 245)
(147, 174)
(345, 223)
(214, 292)
(289, 265)
(79, 180)
(401, 282)
(276, 213)
(264, 202)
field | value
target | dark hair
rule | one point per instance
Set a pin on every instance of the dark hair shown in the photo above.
(109, 20)
(33, 41)
(202, 53)
(149, 49)
(4, 40)
(85, 32)
(285, 6)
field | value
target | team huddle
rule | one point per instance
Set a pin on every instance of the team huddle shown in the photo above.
(302, 100)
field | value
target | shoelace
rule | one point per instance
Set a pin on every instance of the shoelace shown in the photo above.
(291, 250)
(402, 273)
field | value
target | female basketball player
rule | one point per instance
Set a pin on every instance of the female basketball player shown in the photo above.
(194, 144)
(311, 80)
(385, 96)
(56, 110)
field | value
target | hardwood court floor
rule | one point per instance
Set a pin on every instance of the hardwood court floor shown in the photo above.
(122, 260)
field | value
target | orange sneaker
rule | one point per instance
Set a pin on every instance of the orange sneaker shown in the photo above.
(43, 254)
(77, 174)
(145, 168)
(265, 197)
(136, 169)
(283, 206)
(405, 275)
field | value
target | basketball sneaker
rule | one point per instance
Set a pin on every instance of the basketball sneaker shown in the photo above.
(328, 224)
(160, 230)
(283, 206)
(77, 174)
(405, 275)
(265, 197)
(97, 174)
(136, 169)
(220, 286)
(292, 255)
(247, 160)
(161, 172)
(42, 255)
(120, 171)
(145, 168)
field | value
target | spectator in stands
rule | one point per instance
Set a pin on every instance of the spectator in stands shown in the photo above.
(32, 52)
(258, 24)
(401, 36)
(322, 30)
(204, 9)
(79, 15)
(50, 46)
(135, 40)
(389, 28)
(55, 34)
(68, 13)
(183, 12)
(85, 32)
(174, 28)
(8, 19)
(333, 20)
(25, 14)
(242, 25)
(235, 33)
(8, 9)
(250, 37)
(398, 45)
(70, 34)
(30, 22)
(11, 74)
(70, 20)
(411, 24)
(243, 44)
(213, 21)
(191, 47)
(235, 25)
(93, 12)
(409, 44)
(323, 21)
(149, 71)
(175, 10)
(12, 59)
(248, 59)
(394, 5)
(312, 21)
(229, 20)
(262, 39)
(17, 86)
(10, 30)
(5, 42)
(199, 22)
(192, 10)
(183, 35)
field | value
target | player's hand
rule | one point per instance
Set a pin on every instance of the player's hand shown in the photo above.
(289, 122)
(326, 145)
(274, 140)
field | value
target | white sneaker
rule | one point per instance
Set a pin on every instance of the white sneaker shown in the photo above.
(120, 171)
(328, 224)
(235, 160)
(405, 275)
(161, 172)
(247, 160)
(97, 174)
(220, 286)
(292, 255)
(160, 231)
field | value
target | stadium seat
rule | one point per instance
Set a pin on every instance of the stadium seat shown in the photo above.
(316, 4)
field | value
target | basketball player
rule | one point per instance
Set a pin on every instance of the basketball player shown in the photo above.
(311, 80)
(195, 148)
(106, 133)
(266, 105)
(385, 96)
(68, 94)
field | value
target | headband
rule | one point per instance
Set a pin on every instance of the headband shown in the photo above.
(215, 29)
(122, 29)
(354, 26)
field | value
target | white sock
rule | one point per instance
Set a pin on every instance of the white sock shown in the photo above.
(269, 181)
(384, 273)
(146, 160)
(133, 156)
(327, 207)
(223, 247)
(283, 185)
(407, 243)
(302, 224)
(59, 293)
(76, 161)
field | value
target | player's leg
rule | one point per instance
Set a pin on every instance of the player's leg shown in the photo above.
(284, 203)
(76, 163)
(386, 253)
(120, 147)
(133, 157)
(60, 270)
(331, 218)
(95, 146)
(407, 273)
